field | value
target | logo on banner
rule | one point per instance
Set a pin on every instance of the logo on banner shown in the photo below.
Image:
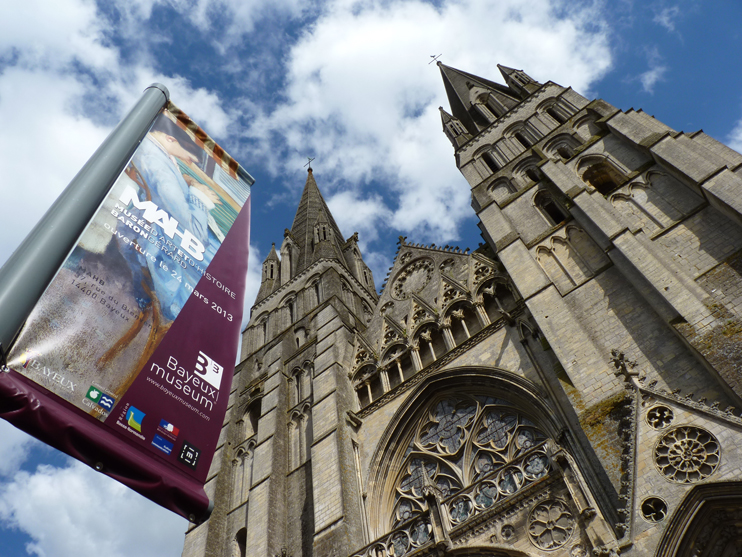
(134, 418)
(209, 369)
(168, 430)
(106, 402)
(163, 444)
(189, 455)
(94, 394)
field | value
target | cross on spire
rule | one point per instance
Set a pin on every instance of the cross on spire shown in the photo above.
(309, 162)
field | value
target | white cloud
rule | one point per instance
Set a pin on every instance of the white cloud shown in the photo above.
(252, 285)
(46, 36)
(734, 139)
(655, 73)
(77, 511)
(14, 446)
(45, 142)
(666, 17)
(361, 97)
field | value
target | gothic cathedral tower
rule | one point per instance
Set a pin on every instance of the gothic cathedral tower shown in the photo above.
(568, 389)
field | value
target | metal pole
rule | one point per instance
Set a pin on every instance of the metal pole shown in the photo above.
(30, 269)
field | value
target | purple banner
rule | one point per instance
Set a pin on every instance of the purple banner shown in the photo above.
(126, 361)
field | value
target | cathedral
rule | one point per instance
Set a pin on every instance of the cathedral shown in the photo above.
(571, 388)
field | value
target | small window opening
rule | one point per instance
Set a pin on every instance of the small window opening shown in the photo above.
(603, 177)
(316, 292)
(271, 270)
(490, 161)
(551, 210)
(554, 114)
(522, 140)
(291, 311)
(564, 152)
(533, 174)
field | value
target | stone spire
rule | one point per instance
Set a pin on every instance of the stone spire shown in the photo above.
(314, 230)
(455, 131)
(271, 278)
(476, 102)
(518, 80)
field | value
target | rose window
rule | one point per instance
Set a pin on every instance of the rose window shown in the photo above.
(412, 278)
(460, 441)
(550, 524)
(687, 454)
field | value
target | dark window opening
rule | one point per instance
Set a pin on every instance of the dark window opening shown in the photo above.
(553, 212)
(564, 152)
(490, 161)
(603, 177)
(554, 114)
(522, 140)
(533, 174)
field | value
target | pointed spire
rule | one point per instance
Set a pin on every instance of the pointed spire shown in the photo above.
(476, 101)
(453, 128)
(519, 80)
(271, 278)
(311, 213)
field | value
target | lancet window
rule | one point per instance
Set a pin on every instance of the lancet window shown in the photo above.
(431, 343)
(468, 440)
(571, 260)
(300, 436)
(464, 321)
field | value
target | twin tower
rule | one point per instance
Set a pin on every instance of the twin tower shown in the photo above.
(571, 388)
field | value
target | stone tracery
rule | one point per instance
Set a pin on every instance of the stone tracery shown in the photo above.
(687, 454)
(460, 441)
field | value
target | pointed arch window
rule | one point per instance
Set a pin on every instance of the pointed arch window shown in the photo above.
(431, 344)
(464, 322)
(468, 440)
(300, 436)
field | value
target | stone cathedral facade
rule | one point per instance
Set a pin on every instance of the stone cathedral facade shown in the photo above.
(570, 388)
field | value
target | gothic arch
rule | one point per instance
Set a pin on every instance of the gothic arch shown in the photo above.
(705, 523)
(555, 108)
(527, 170)
(392, 452)
(464, 320)
(522, 134)
(562, 146)
(586, 126)
(601, 173)
(501, 189)
(497, 298)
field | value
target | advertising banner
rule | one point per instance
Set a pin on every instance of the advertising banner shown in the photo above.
(134, 341)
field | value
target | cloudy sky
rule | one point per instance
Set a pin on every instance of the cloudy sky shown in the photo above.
(347, 82)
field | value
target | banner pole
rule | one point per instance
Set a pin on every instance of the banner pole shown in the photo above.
(32, 266)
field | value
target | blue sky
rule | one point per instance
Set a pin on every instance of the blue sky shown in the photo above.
(345, 81)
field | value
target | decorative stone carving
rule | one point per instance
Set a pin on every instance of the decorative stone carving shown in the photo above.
(654, 509)
(660, 417)
(507, 532)
(447, 266)
(412, 278)
(578, 550)
(463, 441)
(550, 524)
(687, 454)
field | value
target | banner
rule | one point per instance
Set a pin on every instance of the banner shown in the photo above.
(137, 334)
